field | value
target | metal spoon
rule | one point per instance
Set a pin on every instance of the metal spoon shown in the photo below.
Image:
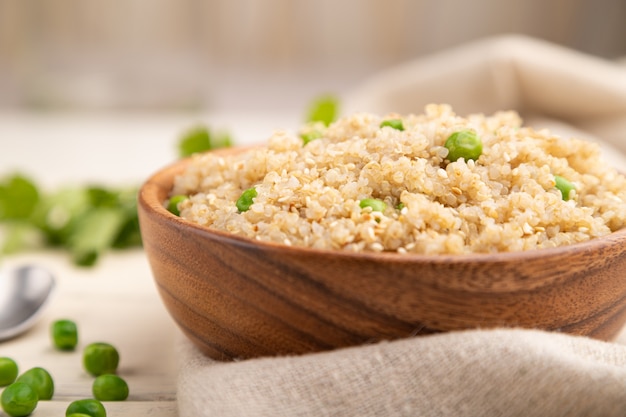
(23, 294)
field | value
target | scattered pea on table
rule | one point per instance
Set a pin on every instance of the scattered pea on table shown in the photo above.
(40, 380)
(8, 371)
(89, 406)
(100, 358)
(109, 387)
(64, 334)
(19, 399)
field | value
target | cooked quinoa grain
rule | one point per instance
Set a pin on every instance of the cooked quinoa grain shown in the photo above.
(310, 194)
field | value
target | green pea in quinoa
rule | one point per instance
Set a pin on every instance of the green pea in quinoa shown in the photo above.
(504, 194)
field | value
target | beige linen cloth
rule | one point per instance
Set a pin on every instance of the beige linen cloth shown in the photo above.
(500, 372)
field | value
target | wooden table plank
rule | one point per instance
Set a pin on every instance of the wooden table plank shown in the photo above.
(114, 409)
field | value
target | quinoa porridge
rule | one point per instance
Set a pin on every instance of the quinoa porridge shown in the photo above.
(401, 184)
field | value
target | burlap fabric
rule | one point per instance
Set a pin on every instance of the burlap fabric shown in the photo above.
(501, 372)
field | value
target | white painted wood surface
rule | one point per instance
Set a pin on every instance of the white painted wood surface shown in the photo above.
(116, 302)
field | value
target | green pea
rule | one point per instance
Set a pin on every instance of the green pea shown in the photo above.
(400, 206)
(100, 358)
(172, 204)
(309, 136)
(88, 406)
(78, 415)
(246, 200)
(19, 399)
(373, 203)
(394, 123)
(8, 371)
(109, 388)
(64, 334)
(464, 144)
(564, 186)
(40, 380)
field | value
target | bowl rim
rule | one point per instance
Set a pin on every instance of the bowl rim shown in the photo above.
(163, 178)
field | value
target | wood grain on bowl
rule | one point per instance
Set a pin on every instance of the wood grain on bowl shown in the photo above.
(237, 298)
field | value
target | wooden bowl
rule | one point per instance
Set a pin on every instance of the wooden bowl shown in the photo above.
(238, 298)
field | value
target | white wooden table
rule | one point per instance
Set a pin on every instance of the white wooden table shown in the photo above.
(117, 301)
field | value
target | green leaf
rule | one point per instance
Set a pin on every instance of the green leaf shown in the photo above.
(200, 139)
(102, 197)
(193, 141)
(57, 211)
(323, 109)
(18, 197)
(95, 232)
(62, 219)
(20, 235)
(129, 234)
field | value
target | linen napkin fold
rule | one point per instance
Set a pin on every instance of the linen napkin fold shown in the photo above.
(500, 372)
(473, 373)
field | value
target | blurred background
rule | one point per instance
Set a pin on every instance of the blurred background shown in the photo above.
(102, 92)
(187, 55)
